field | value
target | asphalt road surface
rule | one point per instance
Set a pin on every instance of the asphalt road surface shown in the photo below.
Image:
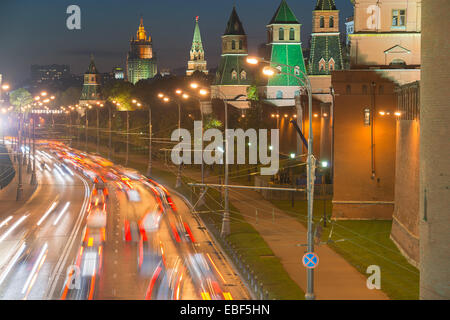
(94, 230)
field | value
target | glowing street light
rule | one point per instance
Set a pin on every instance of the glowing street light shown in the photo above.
(203, 92)
(194, 85)
(252, 60)
(268, 71)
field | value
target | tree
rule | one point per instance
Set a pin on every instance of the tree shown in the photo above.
(20, 99)
(71, 96)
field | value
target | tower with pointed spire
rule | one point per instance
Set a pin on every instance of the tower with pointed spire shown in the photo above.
(141, 61)
(233, 76)
(197, 60)
(285, 48)
(91, 94)
(326, 53)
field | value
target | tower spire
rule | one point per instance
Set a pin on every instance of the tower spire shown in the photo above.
(141, 34)
(197, 60)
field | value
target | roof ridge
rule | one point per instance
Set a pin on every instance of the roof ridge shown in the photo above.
(284, 15)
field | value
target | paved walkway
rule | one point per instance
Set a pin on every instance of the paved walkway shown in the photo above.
(8, 203)
(334, 278)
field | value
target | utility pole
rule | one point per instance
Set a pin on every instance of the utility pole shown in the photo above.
(19, 195)
(226, 214)
(128, 138)
(149, 168)
(86, 130)
(109, 136)
(33, 174)
(178, 182)
(98, 130)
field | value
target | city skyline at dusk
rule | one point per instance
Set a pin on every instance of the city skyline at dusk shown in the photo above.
(37, 32)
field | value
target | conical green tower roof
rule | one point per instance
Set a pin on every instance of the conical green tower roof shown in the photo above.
(284, 15)
(197, 40)
(92, 68)
(234, 25)
(325, 5)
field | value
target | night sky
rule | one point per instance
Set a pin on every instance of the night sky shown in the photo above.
(34, 31)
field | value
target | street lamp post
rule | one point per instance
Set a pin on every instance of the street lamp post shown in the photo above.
(166, 99)
(99, 105)
(109, 130)
(29, 143)
(225, 231)
(304, 81)
(86, 128)
(19, 195)
(203, 93)
(33, 180)
(149, 167)
(128, 136)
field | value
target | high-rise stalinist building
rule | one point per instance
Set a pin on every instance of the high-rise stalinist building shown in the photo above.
(141, 61)
(197, 60)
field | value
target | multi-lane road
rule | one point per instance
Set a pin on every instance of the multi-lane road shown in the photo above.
(95, 230)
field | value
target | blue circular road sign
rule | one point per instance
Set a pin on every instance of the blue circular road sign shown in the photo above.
(310, 260)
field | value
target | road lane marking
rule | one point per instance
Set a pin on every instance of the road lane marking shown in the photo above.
(61, 213)
(14, 226)
(36, 267)
(63, 258)
(12, 263)
(5, 221)
(47, 213)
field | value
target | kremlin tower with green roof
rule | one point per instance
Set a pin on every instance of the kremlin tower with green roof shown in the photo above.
(233, 76)
(285, 48)
(197, 60)
(326, 54)
(91, 94)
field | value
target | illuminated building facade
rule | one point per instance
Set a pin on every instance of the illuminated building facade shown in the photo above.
(141, 61)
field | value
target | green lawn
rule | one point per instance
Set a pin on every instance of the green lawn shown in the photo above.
(364, 243)
(255, 252)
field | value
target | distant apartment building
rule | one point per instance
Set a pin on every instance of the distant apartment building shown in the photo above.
(118, 73)
(349, 29)
(47, 73)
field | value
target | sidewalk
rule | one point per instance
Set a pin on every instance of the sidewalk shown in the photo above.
(8, 203)
(334, 278)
